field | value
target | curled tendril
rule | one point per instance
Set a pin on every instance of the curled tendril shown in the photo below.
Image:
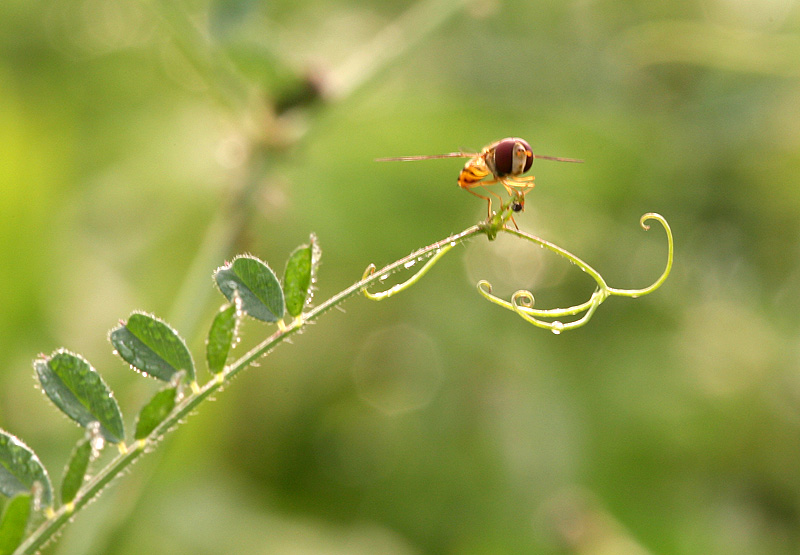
(410, 261)
(522, 302)
(494, 224)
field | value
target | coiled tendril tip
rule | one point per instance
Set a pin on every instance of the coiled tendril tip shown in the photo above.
(522, 302)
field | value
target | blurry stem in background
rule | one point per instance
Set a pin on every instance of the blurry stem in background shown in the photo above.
(229, 89)
(225, 85)
(394, 40)
(221, 234)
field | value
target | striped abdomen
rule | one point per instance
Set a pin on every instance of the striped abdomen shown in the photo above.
(474, 171)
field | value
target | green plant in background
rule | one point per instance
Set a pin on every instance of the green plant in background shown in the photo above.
(152, 347)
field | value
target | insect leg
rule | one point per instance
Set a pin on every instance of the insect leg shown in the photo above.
(486, 184)
(487, 199)
(522, 182)
(517, 185)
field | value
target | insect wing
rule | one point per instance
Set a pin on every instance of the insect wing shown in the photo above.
(426, 157)
(556, 158)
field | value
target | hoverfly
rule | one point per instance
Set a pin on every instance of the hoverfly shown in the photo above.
(506, 160)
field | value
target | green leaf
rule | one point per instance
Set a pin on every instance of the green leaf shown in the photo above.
(155, 411)
(15, 520)
(79, 391)
(257, 285)
(152, 347)
(300, 275)
(221, 337)
(75, 472)
(20, 469)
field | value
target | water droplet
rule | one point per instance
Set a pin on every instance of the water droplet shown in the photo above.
(96, 438)
(37, 490)
(557, 328)
(383, 277)
(409, 264)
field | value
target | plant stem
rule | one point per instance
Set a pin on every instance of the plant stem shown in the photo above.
(183, 409)
(490, 228)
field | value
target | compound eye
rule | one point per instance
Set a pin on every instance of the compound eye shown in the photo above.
(517, 206)
(528, 154)
(504, 154)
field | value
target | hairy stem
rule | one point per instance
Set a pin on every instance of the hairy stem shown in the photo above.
(128, 454)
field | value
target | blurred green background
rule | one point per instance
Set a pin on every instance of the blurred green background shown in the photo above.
(142, 143)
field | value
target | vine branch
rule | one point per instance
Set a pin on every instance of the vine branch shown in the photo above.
(521, 303)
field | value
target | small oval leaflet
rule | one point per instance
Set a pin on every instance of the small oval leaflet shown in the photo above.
(221, 336)
(154, 412)
(15, 520)
(78, 390)
(257, 285)
(20, 468)
(299, 276)
(75, 472)
(151, 346)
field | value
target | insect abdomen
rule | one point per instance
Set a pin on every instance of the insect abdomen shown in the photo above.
(471, 174)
